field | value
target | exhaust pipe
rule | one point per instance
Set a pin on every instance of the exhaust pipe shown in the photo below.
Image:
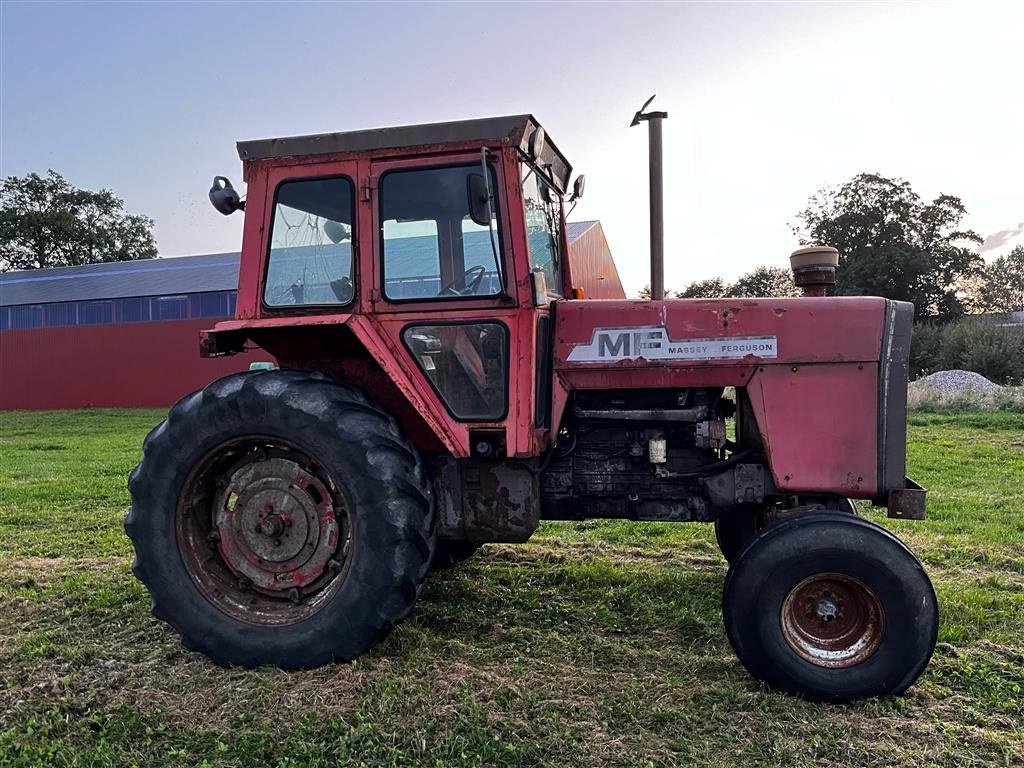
(653, 120)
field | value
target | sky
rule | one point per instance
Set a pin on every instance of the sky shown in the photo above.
(767, 103)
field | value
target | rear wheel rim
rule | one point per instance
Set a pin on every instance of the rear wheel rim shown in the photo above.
(264, 531)
(832, 620)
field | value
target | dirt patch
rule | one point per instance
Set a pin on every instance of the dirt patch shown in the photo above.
(35, 566)
(574, 552)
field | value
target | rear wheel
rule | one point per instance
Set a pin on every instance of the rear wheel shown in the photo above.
(832, 608)
(280, 518)
(735, 529)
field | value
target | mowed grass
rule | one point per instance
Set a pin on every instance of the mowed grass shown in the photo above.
(596, 644)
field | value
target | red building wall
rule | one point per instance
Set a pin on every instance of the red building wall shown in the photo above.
(132, 365)
(593, 268)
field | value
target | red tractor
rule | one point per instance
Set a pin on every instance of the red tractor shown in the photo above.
(446, 379)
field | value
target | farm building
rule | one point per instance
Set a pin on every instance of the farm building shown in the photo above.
(126, 334)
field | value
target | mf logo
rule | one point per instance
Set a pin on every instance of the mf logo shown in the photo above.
(629, 343)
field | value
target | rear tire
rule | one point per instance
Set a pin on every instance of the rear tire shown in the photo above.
(243, 464)
(831, 608)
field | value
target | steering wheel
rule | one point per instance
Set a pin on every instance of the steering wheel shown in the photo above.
(472, 278)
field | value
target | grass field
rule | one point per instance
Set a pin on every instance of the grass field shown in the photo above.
(595, 644)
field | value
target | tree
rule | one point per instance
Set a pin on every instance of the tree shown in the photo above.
(761, 281)
(712, 288)
(1002, 285)
(45, 221)
(893, 244)
(765, 281)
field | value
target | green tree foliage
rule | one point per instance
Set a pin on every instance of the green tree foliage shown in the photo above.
(765, 281)
(45, 221)
(762, 281)
(1002, 284)
(979, 344)
(893, 244)
(712, 288)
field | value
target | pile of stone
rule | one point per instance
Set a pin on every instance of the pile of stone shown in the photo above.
(953, 383)
(961, 387)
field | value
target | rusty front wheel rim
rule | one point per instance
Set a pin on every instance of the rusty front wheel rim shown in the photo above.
(832, 620)
(263, 531)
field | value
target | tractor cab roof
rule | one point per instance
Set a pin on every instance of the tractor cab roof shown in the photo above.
(513, 130)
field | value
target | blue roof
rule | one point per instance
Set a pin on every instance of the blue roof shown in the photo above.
(183, 275)
(121, 279)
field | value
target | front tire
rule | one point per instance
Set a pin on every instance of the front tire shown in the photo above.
(831, 608)
(279, 518)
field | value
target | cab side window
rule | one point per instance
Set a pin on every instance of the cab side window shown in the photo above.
(431, 244)
(467, 363)
(310, 260)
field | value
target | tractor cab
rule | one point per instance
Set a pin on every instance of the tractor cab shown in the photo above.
(420, 255)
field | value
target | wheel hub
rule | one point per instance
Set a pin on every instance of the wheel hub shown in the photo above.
(833, 620)
(826, 610)
(276, 525)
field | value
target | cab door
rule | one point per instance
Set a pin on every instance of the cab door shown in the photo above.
(446, 296)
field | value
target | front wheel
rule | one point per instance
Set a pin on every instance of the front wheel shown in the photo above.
(831, 608)
(280, 518)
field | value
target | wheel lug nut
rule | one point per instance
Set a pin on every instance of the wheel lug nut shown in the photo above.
(333, 565)
(293, 595)
(277, 542)
(213, 536)
(244, 583)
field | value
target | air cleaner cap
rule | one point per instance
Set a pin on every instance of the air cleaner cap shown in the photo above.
(814, 256)
(814, 268)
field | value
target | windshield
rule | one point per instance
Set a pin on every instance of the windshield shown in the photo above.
(543, 208)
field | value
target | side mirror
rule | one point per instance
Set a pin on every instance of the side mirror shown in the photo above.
(578, 187)
(479, 199)
(224, 197)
